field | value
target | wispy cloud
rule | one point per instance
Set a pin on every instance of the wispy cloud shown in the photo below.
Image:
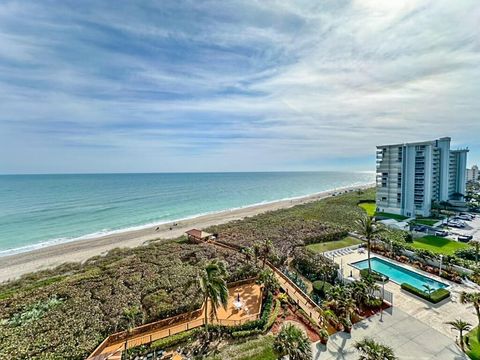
(211, 85)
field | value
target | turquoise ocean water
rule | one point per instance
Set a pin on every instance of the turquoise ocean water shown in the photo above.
(38, 210)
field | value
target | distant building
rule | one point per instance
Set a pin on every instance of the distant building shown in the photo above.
(412, 176)
(473, 174)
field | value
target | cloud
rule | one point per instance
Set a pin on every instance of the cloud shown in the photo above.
(267, 85)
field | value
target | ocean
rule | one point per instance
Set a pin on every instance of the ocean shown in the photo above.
(39, 210)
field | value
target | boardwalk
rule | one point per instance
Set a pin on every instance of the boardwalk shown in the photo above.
(250, 294)
(298, 296)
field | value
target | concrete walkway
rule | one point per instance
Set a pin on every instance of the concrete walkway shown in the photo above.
(410, 339)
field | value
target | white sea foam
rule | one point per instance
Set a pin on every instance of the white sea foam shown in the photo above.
(107, 232)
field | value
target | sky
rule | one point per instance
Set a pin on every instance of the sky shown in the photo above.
(167, 86)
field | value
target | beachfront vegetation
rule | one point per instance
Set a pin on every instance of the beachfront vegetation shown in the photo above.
(439, 245)
(127, 287)
(333, 245)
(92, 300)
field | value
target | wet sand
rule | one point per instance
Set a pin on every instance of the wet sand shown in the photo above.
(13, 266)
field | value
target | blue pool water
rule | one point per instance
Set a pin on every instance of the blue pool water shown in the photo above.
(399, 274)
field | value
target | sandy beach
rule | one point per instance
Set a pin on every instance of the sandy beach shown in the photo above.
(13, 266)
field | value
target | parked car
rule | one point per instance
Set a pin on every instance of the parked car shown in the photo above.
(441, 233)
(465, 238)
(420, 228)
(464, 217)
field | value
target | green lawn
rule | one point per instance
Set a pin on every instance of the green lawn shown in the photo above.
(256, 349)
(429, 222)
(391, 216)
(369, 207)
(333, 245)
(438, 244)
(474, 350)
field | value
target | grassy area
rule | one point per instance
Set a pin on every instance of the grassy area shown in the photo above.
(369, 207)
(428, 222)
(439, 245)
(333, 245)
(474, 350)
(391, 216)
(257, 349)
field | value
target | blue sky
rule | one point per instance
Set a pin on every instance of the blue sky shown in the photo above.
(140, 86)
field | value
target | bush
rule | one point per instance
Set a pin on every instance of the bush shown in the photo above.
(435, 297)
(364, 273)
(174, 340)
(321, 288)
(246, 333)
(273, 316)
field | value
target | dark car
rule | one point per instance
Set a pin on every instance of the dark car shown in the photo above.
(465, 238)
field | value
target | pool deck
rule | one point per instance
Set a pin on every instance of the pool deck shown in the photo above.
(434, 315)
(409, 337)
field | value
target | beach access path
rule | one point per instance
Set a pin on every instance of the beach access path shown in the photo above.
(13, 266)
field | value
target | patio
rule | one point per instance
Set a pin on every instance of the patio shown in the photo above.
(409, 337)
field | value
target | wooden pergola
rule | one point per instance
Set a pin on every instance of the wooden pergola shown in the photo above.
(199, 235)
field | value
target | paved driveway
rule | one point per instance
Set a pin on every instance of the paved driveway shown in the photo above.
(409, 338)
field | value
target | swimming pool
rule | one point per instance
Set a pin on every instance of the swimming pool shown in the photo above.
(399, 274)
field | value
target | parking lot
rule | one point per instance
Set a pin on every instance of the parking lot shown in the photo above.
(472, 228)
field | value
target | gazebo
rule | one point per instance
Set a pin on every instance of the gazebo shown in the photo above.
(198, 235)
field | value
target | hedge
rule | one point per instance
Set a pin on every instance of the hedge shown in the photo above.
(364, 273)
(246, 333)
(435, 297)
(273, 316)
(173, 340)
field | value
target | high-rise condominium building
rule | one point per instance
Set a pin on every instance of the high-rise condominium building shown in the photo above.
(473, 174)
(410, 177)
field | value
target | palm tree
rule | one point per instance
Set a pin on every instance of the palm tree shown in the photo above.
(474, 299)
(293, 342)
(214, 287)
(269, 281)
(266, 250)
(371, 350)
(428, 289)
(460, 326)
(368, 229)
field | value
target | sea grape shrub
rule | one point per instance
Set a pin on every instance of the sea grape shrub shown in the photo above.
(314, 266)
(159, 279)
(319, 221)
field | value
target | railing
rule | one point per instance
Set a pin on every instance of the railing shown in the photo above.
(163, 328)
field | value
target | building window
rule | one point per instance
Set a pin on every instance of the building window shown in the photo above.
(399, 198)
(400, 154)
(384, 198)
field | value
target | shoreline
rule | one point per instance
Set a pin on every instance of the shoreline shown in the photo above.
(13, 266)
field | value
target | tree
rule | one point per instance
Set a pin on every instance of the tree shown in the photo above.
(293, 342)
(269, 281)
(214, 287)
(460, 326)
(428, 289)
(371, 350)
(474, 299)
(476, 244)
(367, 228)
(266, 250)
